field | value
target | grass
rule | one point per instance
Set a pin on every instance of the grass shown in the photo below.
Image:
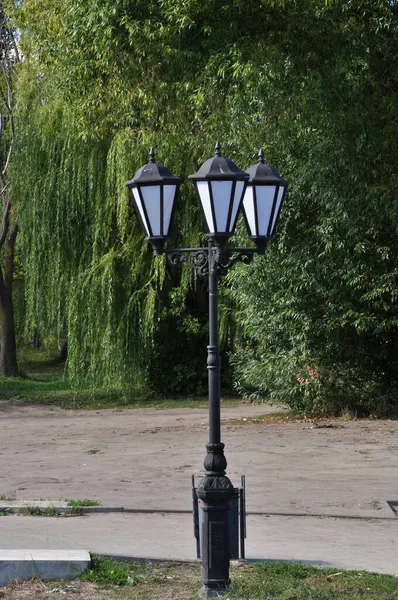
(46, 383)
(106, 572)
(108, 579)
(8, 497)
(81, 502)
(292, 417)
(37, 511)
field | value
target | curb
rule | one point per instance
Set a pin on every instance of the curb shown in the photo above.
(47, 565)
(60, 508)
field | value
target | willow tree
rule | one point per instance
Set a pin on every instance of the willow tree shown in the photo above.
(9, 58)
(101, 83)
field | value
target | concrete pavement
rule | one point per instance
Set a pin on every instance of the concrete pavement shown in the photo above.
(329, 542)
(142, 459)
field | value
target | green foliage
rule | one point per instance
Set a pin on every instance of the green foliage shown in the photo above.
(37, 511)
(320, 316)
(46, 383)
(314, 83)
(108, 572)
(81, 502)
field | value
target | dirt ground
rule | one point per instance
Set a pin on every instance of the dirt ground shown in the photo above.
(144, 458)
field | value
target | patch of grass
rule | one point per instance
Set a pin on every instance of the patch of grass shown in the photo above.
(290, 417)
(8, 497)
(58, 390)
(80, 502)
(111, 580)
(106, 572)
(291, 581)
(37, 511)
(4, 512)
(46, 382)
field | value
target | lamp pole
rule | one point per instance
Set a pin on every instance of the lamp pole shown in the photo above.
(222, 189)
(215, 489)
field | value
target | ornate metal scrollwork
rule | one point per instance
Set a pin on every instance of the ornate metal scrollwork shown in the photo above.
(205, 260)
(198, 258)
(228, 259)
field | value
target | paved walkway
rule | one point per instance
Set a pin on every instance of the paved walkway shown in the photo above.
(341, 543)
(143, 458)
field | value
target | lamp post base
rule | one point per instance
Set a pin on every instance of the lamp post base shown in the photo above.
(208, 592)
(215, 491)
(215, 534)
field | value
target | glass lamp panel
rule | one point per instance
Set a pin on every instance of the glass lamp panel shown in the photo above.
(204, 195)
(138, 203)
(237, 200)
(221, 199)
(151, 197)
(248, 207)
(279, 199)
(169, 192)
(265, 198)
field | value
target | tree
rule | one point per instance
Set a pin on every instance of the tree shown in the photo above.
(314, 82)
(320, 318)
(9, 58)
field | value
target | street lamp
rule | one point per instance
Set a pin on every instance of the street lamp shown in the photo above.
(263, 200)
(154, 190)
(221, 188)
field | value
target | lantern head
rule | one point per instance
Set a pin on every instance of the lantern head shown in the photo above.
(154, 190)
(262, 201)
(220, 186)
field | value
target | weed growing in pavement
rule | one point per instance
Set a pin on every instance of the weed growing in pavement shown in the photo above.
(36, 511)
(9, 497)
(81, 502)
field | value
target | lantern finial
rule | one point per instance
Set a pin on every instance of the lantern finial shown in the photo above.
(152, 158)
(261, 156)
(218, 148)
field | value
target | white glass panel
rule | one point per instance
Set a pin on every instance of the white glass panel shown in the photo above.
(265, 197)
(169, 192)
(248, 207)
(151, 197)
(277, 207)
(237, 200)
(140, 209)
(221, 200)
(204, 195)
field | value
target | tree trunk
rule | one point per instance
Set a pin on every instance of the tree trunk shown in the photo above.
(8, 346)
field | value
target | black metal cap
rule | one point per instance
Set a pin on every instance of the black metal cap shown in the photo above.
(262, 173)
(219, 168)
(153, 173)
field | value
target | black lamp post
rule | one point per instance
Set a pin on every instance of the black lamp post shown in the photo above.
(221, 188)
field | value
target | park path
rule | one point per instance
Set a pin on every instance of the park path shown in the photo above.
(325, 542)
(338, 474)
(144, 458)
